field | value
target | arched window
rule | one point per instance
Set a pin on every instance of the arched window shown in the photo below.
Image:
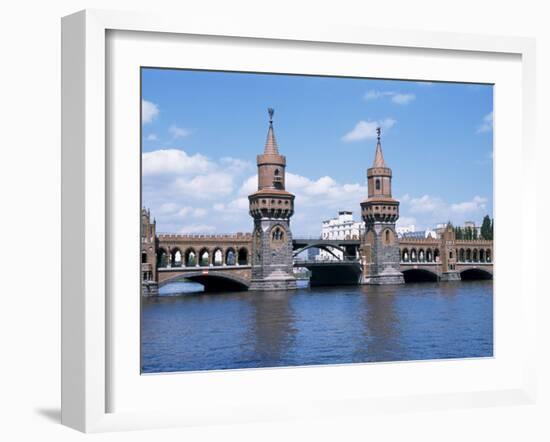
(204, 258)
(162, 258)
(230, 257)
(242, 256)
(277, 234)
(387, 236)
(218, 257)
(377, 184)
(176, 258)
(190, 258)
(277, 179)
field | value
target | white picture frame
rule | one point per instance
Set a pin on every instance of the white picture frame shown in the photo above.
(86, 234)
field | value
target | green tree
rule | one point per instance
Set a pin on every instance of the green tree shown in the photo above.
(486, 228)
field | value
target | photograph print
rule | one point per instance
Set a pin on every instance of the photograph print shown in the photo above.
(300, 220)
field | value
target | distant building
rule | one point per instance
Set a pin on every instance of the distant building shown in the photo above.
(341, 227)
(411, 232)
(467, 224)
(472, 225)
(420, 234)
(402, 230)
(312, 254)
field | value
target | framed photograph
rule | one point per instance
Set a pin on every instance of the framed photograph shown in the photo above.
(265, 223)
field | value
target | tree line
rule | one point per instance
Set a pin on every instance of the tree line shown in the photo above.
(471, 233)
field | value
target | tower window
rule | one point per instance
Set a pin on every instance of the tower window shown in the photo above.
(377, 184)
(277, 234)
(277, 179)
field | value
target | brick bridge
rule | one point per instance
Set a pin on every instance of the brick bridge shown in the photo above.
(222, 262)
(264, 259)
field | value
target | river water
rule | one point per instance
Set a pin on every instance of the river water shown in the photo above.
(310, 326)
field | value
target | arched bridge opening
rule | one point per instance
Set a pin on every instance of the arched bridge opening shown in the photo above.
(212, 282)
(419, 275)
(475, 274)
(331, 252)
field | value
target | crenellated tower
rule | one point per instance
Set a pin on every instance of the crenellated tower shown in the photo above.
(380, 212)
(271, 206)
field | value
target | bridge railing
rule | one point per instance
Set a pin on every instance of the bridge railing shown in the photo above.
(326, 260)
(298, 237)
(238, 235)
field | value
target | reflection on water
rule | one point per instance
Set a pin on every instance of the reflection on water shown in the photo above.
(185, 329)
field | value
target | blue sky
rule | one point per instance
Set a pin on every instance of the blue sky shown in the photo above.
(201, 132)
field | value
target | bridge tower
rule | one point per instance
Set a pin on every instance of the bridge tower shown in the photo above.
(449, 255)
(271, 206)
(149, 276)
(380, 245)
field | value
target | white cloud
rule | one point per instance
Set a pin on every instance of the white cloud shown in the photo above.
(207, 186)
(167, 208)
(428, 210)
(403, 98)
(250, 185)
(486, 124)
(152, 137)
(236, 165)
(178, 132)
(149, 111)
(425, 204)
(406, 221)
(174, 161)
(475, 204)
(187, 211)
(374, 95)
(324, 192)
(395, 97)
(197, 228)
(367, 129)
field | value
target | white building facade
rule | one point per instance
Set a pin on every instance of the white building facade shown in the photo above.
(341, 227)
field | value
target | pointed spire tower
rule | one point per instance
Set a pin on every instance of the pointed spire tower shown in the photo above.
(381, 255)
(271, 207)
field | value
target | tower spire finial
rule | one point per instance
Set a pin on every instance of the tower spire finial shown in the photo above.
(271, 143)
(378, 157)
